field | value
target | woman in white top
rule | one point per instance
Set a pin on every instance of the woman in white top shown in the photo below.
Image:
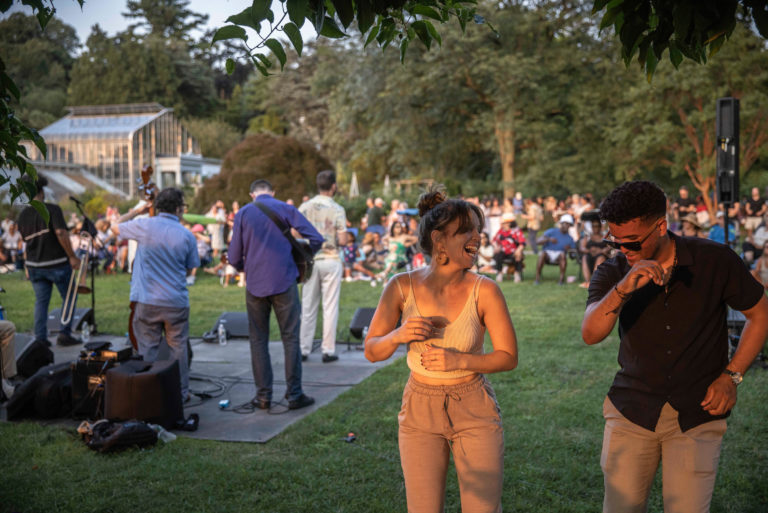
(448, 405)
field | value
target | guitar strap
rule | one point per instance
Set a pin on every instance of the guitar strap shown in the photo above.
(286, 231)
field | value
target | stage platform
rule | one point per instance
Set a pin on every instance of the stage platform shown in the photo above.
(224, 372)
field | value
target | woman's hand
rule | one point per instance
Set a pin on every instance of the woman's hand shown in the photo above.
(415, 329)
(440, 359)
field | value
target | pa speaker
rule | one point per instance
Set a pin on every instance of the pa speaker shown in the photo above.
(236, 324)
(79, 318)
(728, 150)
(361, 319)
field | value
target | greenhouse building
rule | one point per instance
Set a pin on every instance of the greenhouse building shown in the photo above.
(114, 142)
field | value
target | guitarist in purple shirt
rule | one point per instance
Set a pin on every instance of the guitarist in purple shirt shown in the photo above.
(259, 248)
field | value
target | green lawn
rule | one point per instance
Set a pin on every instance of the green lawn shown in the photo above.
(551, 407)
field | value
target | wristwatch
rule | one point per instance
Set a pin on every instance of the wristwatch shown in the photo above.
(736, 377)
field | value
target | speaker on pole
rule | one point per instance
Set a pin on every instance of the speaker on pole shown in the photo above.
(728, 150)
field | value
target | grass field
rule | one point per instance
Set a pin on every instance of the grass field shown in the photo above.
(551, 406)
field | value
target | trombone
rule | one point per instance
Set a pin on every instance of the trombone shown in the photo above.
(77, 279)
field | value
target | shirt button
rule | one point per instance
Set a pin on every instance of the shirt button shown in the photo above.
(669, 327)
(669, 352)
(669, 377)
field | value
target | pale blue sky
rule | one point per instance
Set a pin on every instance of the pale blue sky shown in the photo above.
(107, 13)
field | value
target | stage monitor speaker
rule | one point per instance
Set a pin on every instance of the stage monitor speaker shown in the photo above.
(236, 324)
(361, 319)
(80, 317)
(727, 150)
(148, 391)
(33, 356)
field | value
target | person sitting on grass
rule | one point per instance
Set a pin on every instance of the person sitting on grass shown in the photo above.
(399, 241)
(203, 250)
(690, 227)
(594, 251)
(509, 242)
(760, 272)
(353, 259)
(226, 272)
(485, 262)
(555, 242)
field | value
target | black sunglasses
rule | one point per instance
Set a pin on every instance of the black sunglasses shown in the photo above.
(635, 245)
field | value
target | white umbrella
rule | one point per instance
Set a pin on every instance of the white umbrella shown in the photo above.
(354, 189)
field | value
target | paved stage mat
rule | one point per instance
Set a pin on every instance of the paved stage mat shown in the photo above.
(223, 372)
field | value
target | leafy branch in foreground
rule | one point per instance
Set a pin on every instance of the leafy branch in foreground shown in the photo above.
(387, 22)
(693, 29)
(13, 155)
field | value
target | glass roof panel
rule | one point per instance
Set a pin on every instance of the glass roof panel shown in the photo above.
(96, 127)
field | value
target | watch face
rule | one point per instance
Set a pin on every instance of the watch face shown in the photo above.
(736, 377)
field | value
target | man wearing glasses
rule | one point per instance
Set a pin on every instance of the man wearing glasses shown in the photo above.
(676, 386)
(166, 255)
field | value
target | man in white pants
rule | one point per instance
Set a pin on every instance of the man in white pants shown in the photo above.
(329, 218)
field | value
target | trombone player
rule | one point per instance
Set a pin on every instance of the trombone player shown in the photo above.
(50, 261)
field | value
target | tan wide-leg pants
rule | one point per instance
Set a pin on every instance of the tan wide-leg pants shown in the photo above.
(631, 457)
(464, 420)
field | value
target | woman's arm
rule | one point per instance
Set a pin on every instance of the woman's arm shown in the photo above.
(493, 311)
(383, 339)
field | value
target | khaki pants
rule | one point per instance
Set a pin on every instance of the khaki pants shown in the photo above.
(7, 349)
(324, 285)
(631, 457)
(460, 419)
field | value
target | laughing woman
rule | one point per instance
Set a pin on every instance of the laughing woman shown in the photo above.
(448, 405)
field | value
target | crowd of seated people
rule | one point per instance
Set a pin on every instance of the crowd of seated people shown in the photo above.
(384, 241)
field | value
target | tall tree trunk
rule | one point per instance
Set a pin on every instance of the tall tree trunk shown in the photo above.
(504, 128)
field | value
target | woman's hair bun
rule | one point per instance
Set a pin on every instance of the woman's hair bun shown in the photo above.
(430, 199)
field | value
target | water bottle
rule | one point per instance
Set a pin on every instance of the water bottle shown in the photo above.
(222, 334)
(2, 313)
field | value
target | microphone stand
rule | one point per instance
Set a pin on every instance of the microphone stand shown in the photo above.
(89, 227)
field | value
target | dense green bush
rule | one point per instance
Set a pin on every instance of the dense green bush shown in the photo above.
(289, 165)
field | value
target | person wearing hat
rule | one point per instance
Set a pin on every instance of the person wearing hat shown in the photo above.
(555, 242)
(203, 250)
(717, 232)
(689, 226)
(509, 243)
(755, 241)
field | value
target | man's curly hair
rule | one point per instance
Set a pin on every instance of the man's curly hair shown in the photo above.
(632, 200)
(169, 200)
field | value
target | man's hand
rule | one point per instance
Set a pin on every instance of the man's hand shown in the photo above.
(720, 397)
(74, 262)
(642, 273)
(440, 359)
(143, 209)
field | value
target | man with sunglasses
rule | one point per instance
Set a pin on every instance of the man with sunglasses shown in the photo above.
(676, 386)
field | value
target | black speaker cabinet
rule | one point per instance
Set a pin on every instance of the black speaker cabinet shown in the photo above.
(361, 319)
(727, 150)
(148, 391)
(80, 317)
(236, 324)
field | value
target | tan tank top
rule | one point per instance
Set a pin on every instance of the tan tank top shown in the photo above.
(465, 334)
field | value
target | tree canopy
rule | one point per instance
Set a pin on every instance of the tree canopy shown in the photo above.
(536, 100)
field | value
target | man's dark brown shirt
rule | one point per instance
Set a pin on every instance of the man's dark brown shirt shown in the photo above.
(673, 346)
